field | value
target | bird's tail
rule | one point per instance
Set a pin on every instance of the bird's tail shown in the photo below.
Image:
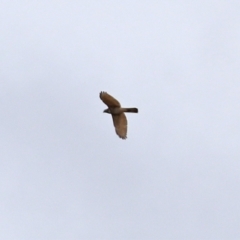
(132, 110)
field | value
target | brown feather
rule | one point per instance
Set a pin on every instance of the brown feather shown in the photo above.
(109, 100)
(120, 124)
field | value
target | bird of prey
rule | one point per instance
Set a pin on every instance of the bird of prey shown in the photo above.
(117, 112)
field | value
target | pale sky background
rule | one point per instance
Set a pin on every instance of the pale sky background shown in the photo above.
(65, 175)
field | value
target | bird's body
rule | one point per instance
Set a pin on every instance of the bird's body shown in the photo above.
(117, 112)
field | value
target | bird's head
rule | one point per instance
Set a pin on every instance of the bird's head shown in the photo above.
(107, 110)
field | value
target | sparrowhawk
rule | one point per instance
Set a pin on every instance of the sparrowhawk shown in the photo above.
(117, 112)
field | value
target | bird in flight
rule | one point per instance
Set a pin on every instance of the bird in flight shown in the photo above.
(117, 112)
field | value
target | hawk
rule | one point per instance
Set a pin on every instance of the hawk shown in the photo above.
(117, 112)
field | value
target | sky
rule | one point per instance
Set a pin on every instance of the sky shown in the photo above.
(65, 174)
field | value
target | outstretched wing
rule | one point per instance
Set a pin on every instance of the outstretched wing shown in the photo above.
(109, 100)
(120, 124)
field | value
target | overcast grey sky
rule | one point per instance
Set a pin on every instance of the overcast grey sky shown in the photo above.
(65, 175)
